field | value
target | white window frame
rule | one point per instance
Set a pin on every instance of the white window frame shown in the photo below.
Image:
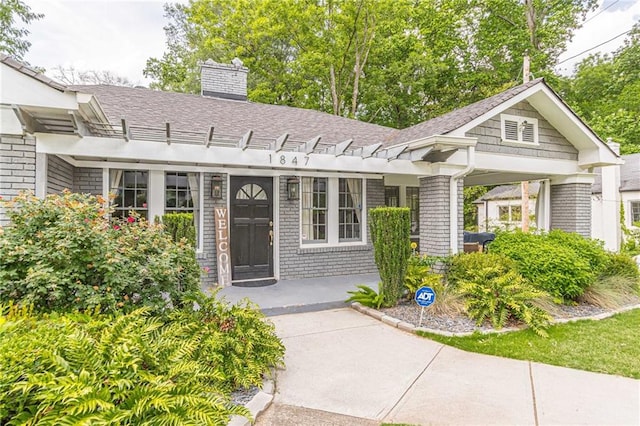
(521, 122)
(510, 208)
(199, 230)
(333, 217)
(631, 204)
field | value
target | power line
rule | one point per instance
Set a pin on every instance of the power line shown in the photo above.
(594, 47)
(598, 14)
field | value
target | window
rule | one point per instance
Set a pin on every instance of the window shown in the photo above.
(517, 129)
(331, 210)
(510, 213)
(635, 212)
(130, 188)
(392, 196)
(314, 210)
(182, 195)
(413, 202)
(350, 209)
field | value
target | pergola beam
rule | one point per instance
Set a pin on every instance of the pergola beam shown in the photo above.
(126, 132)
(279, 143)
(370, 150)
(310, 145)
(209, 137)
(341, 147)
(393, 153)
(244, 142)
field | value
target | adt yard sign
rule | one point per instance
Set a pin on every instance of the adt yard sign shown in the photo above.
(425, 296)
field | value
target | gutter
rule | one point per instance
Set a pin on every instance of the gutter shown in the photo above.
(453, 198)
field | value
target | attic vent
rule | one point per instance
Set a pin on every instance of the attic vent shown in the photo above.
(522, 130)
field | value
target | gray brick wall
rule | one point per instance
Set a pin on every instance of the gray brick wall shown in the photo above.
(17, 167)
(571, 208)
(552, 143)
(435, 239)
(59, 175)
(87, 180)
(296, 262)
(208, 258)
(217, 79)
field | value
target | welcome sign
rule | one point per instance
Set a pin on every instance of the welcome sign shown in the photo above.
(223, 257)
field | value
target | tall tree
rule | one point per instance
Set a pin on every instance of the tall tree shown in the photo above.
(13, 35)
(390, 62)
(605, 90)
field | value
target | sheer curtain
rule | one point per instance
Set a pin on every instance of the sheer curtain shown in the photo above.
(354, 185)
(114, 179)
(307, 208)
(194, 189)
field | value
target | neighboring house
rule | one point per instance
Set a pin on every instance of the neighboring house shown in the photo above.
(606, 204)
(501, 207)
(297, 184)
(496, 208)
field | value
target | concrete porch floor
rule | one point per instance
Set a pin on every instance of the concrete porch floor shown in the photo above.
(301, 295)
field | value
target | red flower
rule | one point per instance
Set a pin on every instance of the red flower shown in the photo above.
(131, 219)
(116, 227)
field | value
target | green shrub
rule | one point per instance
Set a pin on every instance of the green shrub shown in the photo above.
(623, 265)
(131, 369)
(465, 266)
(591, 250)
(390, 234)
(448, 301)
(63, 253)
(630, 239)
(562, 271)
(367, 296)
(491, 294)
(179, 226)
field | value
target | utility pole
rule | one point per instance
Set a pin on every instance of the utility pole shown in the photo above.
(524, 209)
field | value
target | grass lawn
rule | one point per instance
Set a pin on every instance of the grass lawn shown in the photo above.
(608, 346)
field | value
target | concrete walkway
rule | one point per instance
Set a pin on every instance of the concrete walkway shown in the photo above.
(301, 295)
(344, 368)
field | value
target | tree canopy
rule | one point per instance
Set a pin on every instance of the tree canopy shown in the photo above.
(390, 62)
(13, 40)
(605, 91)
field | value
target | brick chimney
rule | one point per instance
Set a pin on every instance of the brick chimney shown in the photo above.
(224, 81)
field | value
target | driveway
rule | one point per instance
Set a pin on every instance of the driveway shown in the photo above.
(345, 368)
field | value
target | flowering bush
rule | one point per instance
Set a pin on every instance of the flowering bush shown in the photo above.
(64, 253)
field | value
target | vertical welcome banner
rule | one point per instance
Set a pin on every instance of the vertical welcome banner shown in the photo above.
(223, 258)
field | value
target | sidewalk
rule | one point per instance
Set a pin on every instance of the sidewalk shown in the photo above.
(342, 363)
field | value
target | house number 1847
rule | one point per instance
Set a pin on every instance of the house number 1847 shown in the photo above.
(284, 160)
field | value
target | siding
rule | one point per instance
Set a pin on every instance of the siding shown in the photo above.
(552, 143)
(296, 262)
(435, 214)
(17, 168)
(87, 181)
(59, 175)
(571, 208)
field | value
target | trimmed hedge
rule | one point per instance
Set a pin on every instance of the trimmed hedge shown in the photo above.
(391, 237)
(179, 226)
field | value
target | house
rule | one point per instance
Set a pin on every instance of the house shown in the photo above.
(500, 207)
(292, 186)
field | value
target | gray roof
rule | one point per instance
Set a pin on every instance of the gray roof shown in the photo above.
(24, 69)
(509, 192)
(457, 118)
(152, 108)
(629, 175)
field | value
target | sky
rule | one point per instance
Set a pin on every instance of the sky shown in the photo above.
(120, 36)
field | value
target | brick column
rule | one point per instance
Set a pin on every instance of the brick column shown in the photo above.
(435, 215)
(571, 208)
(17, 167)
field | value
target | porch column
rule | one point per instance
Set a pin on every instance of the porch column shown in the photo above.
(435, 216)
(571, 205)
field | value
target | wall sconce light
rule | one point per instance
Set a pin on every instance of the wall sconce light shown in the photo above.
(216, 187)
(523, 125)
(293, 188)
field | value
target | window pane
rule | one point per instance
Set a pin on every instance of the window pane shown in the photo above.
(182, 195)
(413, 202)
(314, 206)
(130, 187)
(392, 196)
(349, 208)
(503, 213)
(516, 213)
(635, 212)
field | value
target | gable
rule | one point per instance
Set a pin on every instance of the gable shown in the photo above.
(550, 142)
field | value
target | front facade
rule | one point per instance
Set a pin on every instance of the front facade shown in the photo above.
(292, 188)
